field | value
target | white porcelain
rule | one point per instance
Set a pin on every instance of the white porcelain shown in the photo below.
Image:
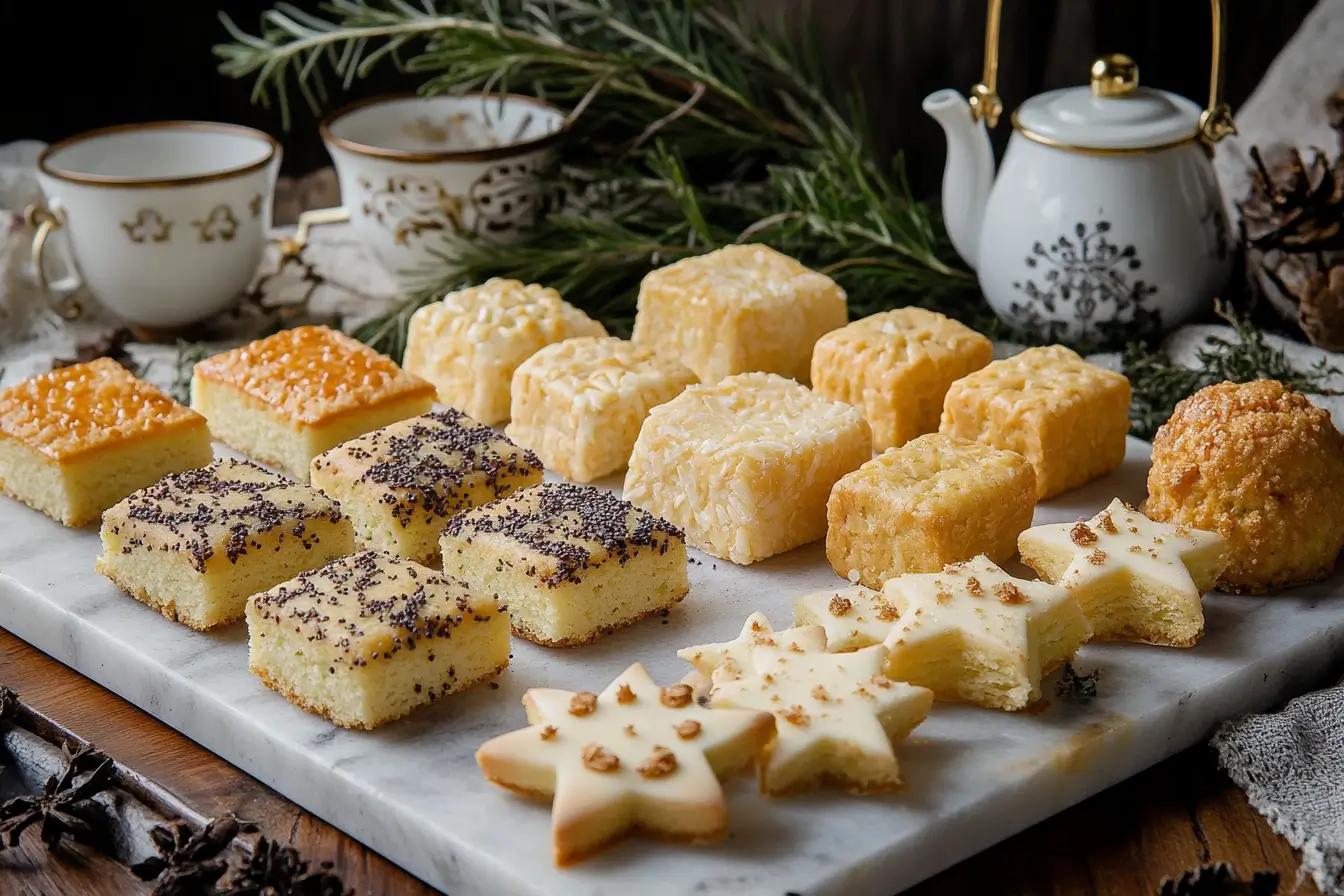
(167, 220)
(417, 172)
(1105, 221)
(412, 791)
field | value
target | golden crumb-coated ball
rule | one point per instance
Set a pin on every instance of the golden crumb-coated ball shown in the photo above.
(1262, 466)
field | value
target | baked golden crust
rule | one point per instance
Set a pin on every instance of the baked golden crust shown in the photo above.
(76, 410)
(1263, 467)
(309, 375)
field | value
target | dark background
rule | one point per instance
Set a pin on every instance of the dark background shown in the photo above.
(70, 67)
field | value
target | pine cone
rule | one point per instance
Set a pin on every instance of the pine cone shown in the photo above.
(1295, 206)
(1321, 311)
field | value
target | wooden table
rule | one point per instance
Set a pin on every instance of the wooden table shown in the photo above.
(1175, 816)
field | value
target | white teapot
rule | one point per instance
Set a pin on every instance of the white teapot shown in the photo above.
(1105, 222)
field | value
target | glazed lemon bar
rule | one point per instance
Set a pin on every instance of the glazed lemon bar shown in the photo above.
(77, 440)
(745, 466)
(579, 404)
(1067, 417)
(896, 366)
(197, 544)
(931, 502)
(470, 343)
(285, 399)
(401, 484)
(370, 637)
(738, 309)
(572, 562)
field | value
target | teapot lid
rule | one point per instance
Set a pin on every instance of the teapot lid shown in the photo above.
(1114, 113)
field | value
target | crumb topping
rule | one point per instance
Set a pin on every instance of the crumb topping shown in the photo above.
(81, 408)
(819, 693)
(575, 527)
(676, 695)
(1106, 523)
(795, 715)
(1008, 593)
(548, 732)
(624, 694)
(661, 763)
(1097, 557)
(688, 729)
(219, 509)
(888, 613)
(583, 703)
(839, 606)
(1082, 536)
(600, 759)
(629, 730)
(973, 587)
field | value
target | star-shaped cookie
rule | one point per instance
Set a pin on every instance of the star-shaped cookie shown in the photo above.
(1135, 578)
(717, 663)
(853, 617)
(972, 632)
(836, 716)
(636, 757)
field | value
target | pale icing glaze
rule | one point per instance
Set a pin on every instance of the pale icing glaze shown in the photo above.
(731, 659)
(853, 617)
(828, 706)
(629, 720)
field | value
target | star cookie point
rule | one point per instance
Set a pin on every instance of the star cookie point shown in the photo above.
(637, 757)
(853, 617)
(974, 633)
(716, 663)
(1136, 579)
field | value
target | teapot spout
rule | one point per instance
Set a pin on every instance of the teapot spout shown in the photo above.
(969, 172)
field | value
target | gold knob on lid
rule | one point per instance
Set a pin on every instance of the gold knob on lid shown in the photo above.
(1114, 74)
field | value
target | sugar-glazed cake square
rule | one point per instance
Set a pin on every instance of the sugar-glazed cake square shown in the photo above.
(572, 562)
(470, 343)
(738, 309)
(745, 465)
(197, 544)
(401, 484)
(896, 367)
(370, 637)
(78, 439)
(1067, 417)
(930, 503)
(579, 404)
(285, 399)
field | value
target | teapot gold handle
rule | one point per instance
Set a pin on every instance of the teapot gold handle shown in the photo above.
(1215, 122)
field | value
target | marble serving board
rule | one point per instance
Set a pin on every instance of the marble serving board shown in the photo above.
(411, 790)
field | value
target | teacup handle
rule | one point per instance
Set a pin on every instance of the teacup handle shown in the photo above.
(291, 246)
(44, 220)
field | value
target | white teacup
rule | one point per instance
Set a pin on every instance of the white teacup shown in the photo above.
(417, 172)
(167, 220)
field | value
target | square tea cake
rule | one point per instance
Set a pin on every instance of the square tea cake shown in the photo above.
(285, 399)
(402, 483)
(77, 440)
(368, 638)
(197, 544)
(572, 562)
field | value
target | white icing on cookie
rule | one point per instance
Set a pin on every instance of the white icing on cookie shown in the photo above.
(853, 617)
(636, 756)
(836, 716)
(726, 661)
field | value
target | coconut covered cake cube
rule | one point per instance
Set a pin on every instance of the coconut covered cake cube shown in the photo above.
(932, 502)
(572, 562)
(896, 366)
(1067, 417)
(579, 404)
(738, 309)
(401, 484)
(197, 544)
(371, 637)
(470, 343)
(745, 466)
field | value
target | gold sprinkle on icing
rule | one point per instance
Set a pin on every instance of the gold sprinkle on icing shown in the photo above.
(676, 695)
(624, 694)
(600, 759)
(661, 763)
(549, 732)
(1107, 524)
(839, 606)
(583, 703)
(794, 715)
(1082, 536)
(1097, 557)
(1008, 593)
(687, 729)
(973, 587)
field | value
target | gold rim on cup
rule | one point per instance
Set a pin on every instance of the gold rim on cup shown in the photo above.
(106, 180)
(489, 154)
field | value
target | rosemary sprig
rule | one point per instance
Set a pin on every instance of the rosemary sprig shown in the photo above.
(1159, 384)
(693, 126)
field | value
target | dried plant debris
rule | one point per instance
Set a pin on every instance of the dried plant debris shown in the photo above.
(113, 346)
(188, 353)
(8, 701)
(189, 861)
(1077, 687)
(1220, 880)
(64, 808)
(276, 870)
